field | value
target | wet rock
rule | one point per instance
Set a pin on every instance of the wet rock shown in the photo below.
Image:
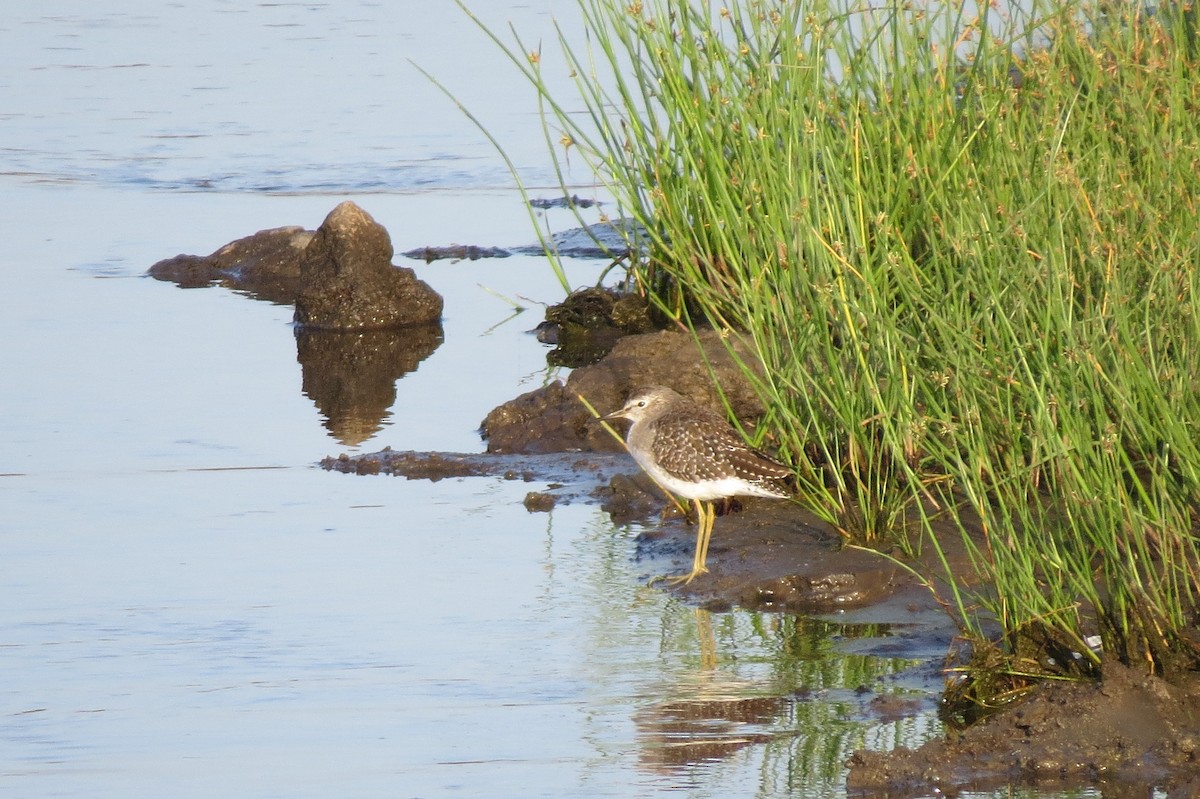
(599, 240)
(573, 201)
(588, 323)
(265, 265)
(544, 420)
(553, 419)
(828, 587)
(339, 277)
(456, 252)
(348, 282)
(540, 502)
(630, 497)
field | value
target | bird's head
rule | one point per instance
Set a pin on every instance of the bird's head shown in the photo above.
(645, 403)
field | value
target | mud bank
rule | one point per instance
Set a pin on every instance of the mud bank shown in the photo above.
(1128, 734)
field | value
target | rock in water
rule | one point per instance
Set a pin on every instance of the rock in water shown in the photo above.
(265, 265)
(348, 281)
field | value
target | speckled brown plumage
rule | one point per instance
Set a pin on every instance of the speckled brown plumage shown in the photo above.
(690, 450)
(695, 445)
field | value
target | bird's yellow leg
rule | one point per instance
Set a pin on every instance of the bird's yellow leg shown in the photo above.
(704, 523)
(705, 513)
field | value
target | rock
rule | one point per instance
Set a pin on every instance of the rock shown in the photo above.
(610, 240)
(588, 323)
(265, 265)
(339, 277)
(455, 252)
(348, 282)
(574, 201)
(540, 502)
(552, 418)
(598, 240)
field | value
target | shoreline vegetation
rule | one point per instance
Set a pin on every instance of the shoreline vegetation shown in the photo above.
(964, 246)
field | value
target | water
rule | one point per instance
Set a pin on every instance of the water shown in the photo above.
(188, 606)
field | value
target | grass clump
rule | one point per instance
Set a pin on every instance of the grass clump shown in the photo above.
(966, 252)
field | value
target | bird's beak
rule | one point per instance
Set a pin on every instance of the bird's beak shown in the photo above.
(619, 413)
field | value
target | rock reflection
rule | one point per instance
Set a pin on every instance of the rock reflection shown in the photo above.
(712, 726)
(678, 734)
(351, 375)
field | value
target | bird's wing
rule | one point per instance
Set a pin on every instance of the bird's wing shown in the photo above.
(705, 447)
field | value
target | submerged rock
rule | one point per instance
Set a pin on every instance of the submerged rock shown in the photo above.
(348, 282)
(455, 252)
(573, 201)
(265, 265)
(611, 239)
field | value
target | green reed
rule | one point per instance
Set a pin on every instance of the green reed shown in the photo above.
(965, 252)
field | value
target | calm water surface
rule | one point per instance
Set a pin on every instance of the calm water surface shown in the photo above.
(188, 606)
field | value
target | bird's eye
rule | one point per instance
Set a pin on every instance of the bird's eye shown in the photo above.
(641, 403)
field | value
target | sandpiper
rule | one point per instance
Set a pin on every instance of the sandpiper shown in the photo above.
(692, 451)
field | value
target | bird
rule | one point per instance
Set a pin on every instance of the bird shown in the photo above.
(692, 451)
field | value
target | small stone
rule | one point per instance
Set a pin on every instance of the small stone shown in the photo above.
(540, 502)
